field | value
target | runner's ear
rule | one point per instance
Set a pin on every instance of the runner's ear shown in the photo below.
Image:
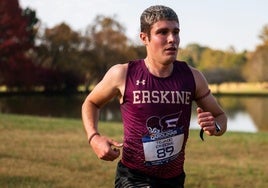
(144, 38)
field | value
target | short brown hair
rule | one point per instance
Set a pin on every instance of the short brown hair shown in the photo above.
(154, 14)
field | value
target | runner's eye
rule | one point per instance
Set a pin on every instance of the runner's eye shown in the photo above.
(162, 32)
(176, 32)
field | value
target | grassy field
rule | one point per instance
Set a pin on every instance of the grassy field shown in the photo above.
(50, 152)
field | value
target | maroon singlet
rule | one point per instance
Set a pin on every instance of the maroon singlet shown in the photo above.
(156, 116)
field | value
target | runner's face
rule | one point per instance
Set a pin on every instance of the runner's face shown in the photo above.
(164, 41)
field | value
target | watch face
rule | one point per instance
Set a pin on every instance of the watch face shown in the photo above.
(218, 128)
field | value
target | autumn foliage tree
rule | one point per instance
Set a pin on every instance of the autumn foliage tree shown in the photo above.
(69, 59)
(109, 44)
(16, 39)
(105, 44)
(59, 57)
(257, 67)
(218, 66)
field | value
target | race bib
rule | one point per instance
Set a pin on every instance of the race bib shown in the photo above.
(160, 148)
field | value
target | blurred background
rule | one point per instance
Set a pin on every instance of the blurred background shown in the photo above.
(53, 52)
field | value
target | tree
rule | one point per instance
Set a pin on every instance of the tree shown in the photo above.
(58, 54)
(16, 39)
(71, 58)
(264, 35)
(257, 66)
(109, 45)
(192, 54)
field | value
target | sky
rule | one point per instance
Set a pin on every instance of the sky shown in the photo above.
(218, 24)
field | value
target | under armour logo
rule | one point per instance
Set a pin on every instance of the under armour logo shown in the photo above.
(138, 82)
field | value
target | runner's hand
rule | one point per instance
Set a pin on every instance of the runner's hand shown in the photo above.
(206, 121)
(105, 148)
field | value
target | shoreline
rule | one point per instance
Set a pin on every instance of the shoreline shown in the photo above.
(253, 89)
(62, 93)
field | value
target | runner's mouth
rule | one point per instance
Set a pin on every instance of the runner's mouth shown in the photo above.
(171, 49)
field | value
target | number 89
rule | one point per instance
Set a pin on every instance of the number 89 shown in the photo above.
(163, 152)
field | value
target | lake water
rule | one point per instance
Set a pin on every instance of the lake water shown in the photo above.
(245, 114)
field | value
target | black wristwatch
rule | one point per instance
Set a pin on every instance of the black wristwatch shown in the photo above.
(218, 127)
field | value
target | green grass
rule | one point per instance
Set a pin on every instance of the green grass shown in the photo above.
(51, 152)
